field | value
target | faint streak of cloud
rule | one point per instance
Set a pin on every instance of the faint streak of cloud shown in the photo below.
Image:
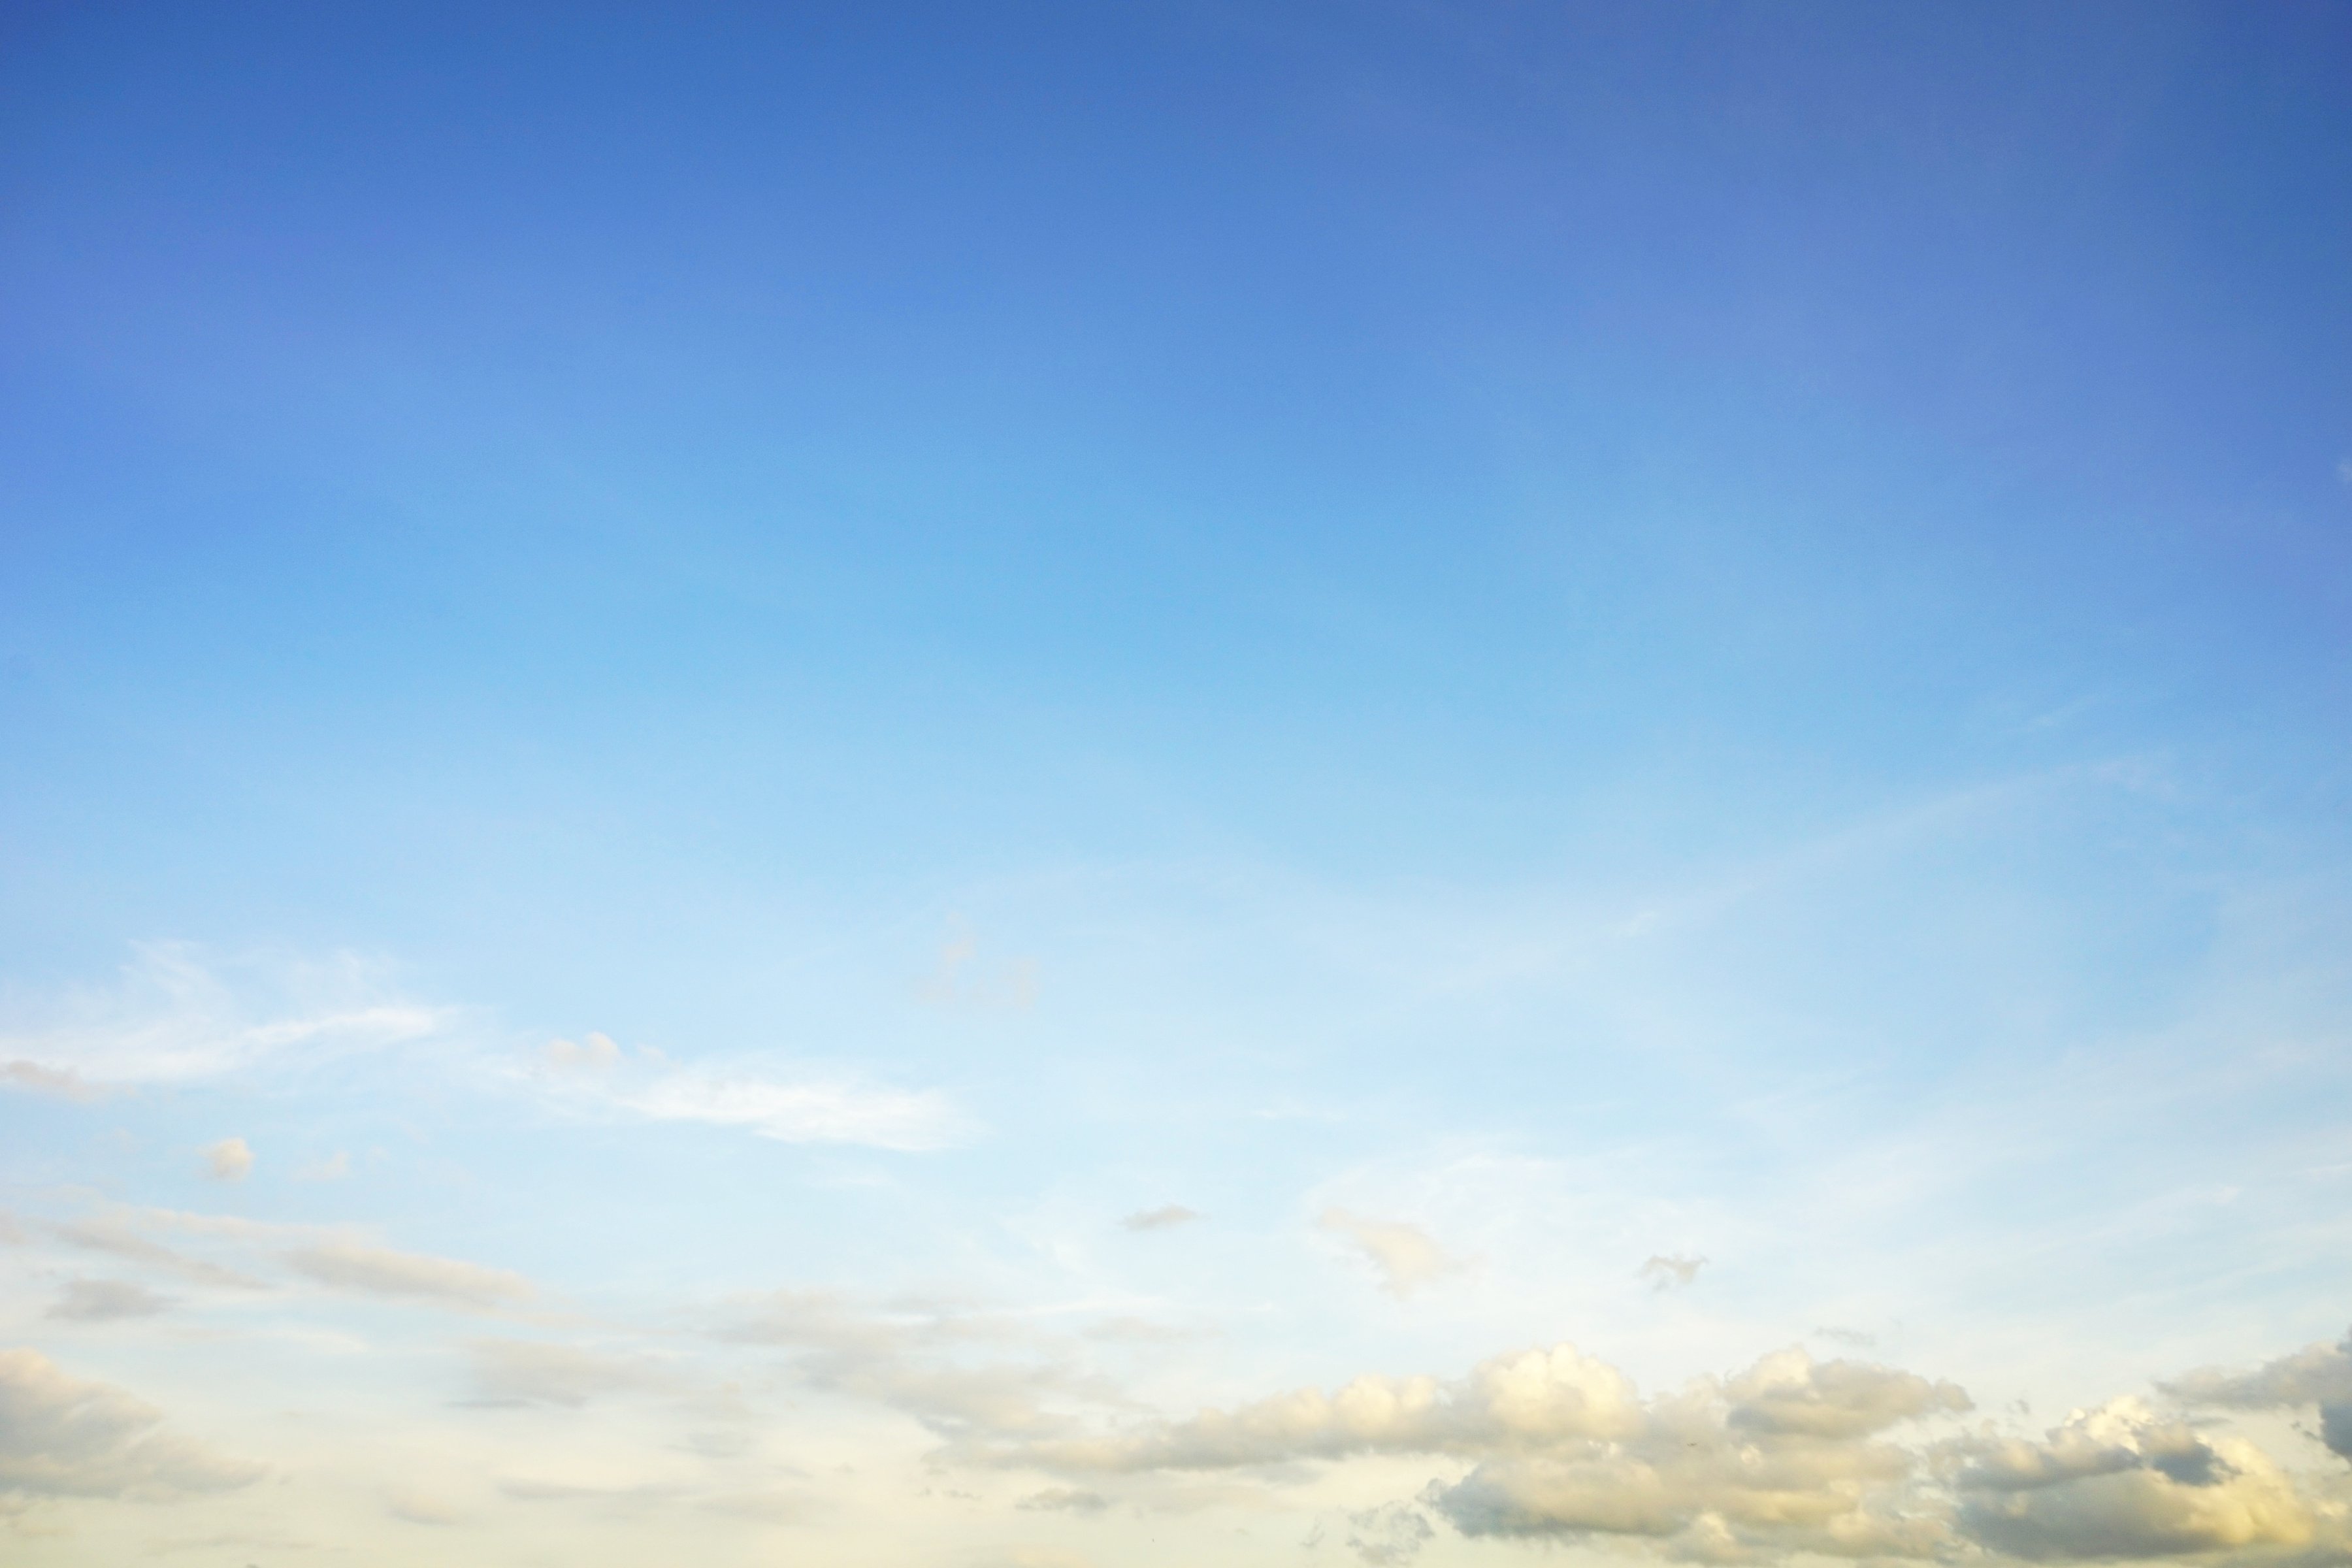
(1166, 1218)
(379, 1271)
(106, 1302)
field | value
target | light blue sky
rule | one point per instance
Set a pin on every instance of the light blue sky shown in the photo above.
(1462, 647)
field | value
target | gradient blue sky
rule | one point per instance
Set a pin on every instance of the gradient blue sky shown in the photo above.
(1472, 651)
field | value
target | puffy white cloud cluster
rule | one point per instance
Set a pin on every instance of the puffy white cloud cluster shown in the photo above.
(1793, 1455)
(2125, 1482)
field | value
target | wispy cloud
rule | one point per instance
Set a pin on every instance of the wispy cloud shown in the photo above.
(1166, 1218)
(106, 1300)
(380, 1272)
(600, 1076)
(170, 1017)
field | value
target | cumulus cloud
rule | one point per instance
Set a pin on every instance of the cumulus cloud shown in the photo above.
(1512, 1400)
(106, 1300)
(229, 1159)
(2123, 1481)
(1668, 1273)
(63, 1437)
(379, 1271)
(1166, 1218)
(2317, 1375)
(1790, 1455)
(1405, 1256)
(1389, 1536)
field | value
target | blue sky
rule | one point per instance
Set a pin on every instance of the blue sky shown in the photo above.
(772, 777)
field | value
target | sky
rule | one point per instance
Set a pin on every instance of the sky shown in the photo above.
(1116, 786)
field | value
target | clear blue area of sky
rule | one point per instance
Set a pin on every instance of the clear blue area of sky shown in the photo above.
(637, 512)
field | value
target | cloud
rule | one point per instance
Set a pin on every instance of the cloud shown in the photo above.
(1789, 1393)
(333, 1168)
(62, 1437)
(1668, 1273)
(1790, 1455)
(229, 1159)
(171, 1019)
(379, 1271)
(803, 1112)
(2122, 1481)
(1529, 1397)
(1159, 1218)
(2317, 1375)
(1014, 988)
(1405, 1256)
(106, 1300)
(1389, 1536)
(115, 1237)
(522, 1371)
(595, 1051)
(800, 1112)
(1064, 1500)
(56, 1081)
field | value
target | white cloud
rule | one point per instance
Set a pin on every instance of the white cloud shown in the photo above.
(788, 1112)
(333, 1168)
(171, 1018)
(227, 1161)
(379, 1271)
(1166, 1218)
(63, 1437)
(1406, 1256)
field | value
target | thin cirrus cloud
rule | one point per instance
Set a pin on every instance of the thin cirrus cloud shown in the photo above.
(596, 1075)
(174, 1017)
(1165, 1218)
